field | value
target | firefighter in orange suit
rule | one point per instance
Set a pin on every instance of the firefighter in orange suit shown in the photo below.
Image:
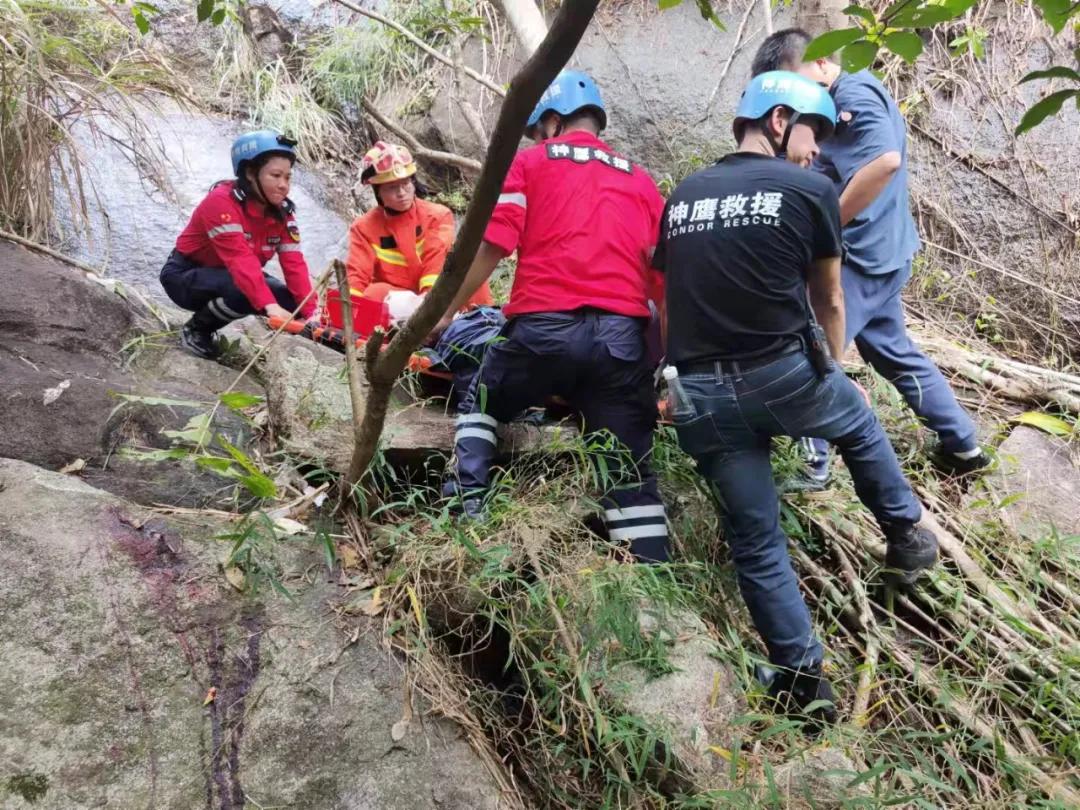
(402, 243)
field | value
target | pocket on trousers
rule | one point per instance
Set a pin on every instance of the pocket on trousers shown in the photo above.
(699, 436)
(543, 334)
(801, 410)
(623, 337)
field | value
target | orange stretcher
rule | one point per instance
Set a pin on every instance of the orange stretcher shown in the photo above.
(335, 338)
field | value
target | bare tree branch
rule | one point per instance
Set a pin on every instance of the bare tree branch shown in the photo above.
(417, 148)
(525, 90)
(527, 21)
(419, 43)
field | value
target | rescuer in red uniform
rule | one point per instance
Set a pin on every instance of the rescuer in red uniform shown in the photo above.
(584, 221)
(216, 269)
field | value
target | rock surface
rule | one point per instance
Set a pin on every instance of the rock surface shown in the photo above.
(1039, 474)
(135, 677)
(65, 371)
(819, 779)
(133, 226)
(695, 705)
(310, 410)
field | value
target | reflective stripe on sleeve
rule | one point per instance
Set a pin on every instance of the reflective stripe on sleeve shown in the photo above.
(513, 198)
(232, 227)
(427, 281)
(288, 248)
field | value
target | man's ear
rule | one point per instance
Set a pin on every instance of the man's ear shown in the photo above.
(778, 121)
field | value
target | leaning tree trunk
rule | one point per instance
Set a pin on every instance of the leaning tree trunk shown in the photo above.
(383, 368)
(527, 21)
(819, 16)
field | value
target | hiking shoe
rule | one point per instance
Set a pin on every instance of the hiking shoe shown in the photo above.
(957, 466)
(199, 343)
(910, 550)
(796, 691)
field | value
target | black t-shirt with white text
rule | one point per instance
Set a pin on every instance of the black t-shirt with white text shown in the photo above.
(736, 240)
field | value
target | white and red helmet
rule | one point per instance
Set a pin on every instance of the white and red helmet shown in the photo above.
(385, 163)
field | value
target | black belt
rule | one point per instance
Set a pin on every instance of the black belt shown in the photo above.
(735, 365)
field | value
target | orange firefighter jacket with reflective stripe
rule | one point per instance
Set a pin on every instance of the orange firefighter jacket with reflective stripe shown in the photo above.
(405, 250)
(239, 235)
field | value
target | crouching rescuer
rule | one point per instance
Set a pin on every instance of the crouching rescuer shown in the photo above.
(751, 252)
(216, 269)
(583, 221)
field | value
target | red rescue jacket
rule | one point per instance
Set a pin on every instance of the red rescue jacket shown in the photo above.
(239, 235)
(584, 221)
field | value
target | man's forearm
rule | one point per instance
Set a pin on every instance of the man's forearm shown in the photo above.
(483, 265)
(866, 184)
(829, 311)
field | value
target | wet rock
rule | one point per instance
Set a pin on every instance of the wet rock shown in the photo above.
(133, 225)
(70, 354)
(694, 705)
(134, 676)
(818, 779)
(1039, 477)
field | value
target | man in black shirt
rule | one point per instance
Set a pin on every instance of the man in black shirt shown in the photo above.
(749, 245)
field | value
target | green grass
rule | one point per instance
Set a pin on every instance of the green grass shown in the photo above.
(572, 745)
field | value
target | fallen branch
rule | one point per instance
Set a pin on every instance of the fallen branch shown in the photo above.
(417, 148)
(419, 43)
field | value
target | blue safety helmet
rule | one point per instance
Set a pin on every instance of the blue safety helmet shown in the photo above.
(571, 91)
(251, 145)
(783, 88)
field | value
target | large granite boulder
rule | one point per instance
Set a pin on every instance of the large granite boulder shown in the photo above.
(135, 676)
(1038, 480)
(73, 354)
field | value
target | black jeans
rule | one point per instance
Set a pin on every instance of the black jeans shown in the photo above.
(596, 361)
(211, 291)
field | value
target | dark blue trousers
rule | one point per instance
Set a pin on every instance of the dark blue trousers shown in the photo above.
(875, 321)
(211, 293)
(739, 411)
(596, 361)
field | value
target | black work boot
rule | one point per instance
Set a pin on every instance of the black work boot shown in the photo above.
(199, 342)
(910, 549)
(954, 465)
(793, 691)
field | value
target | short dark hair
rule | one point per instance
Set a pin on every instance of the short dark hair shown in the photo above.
(780, 51)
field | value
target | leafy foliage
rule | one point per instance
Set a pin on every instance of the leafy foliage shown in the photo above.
(196, 442)
(62, 66)
(897, 29)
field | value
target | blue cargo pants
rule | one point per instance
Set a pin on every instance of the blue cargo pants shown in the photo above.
(596, 361)
(739, 411)
(875, 321)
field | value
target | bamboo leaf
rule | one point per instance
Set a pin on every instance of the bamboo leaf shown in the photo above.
(830, 42)
(237, 400)
(1046, 422)
(204, 10)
